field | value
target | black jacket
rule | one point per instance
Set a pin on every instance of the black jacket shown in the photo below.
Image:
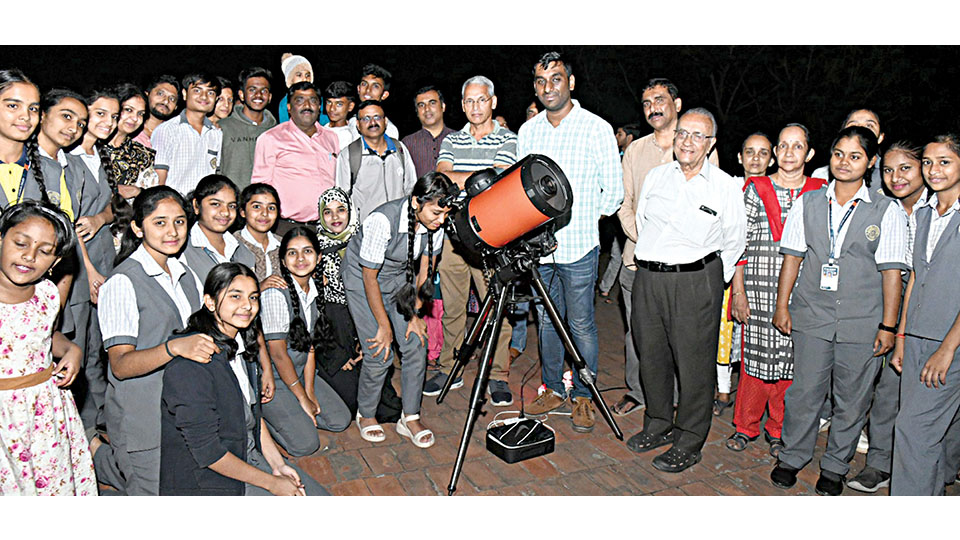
(201, 420)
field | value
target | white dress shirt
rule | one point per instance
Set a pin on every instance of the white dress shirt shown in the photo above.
(680, 221)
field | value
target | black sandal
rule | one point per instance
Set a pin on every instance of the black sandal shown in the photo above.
(720, 406)
(738, 441)
(776, 444)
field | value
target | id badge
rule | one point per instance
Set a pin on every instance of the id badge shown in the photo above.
(829, 277)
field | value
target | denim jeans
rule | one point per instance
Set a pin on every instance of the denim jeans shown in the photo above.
(518, 320)
(571, 288)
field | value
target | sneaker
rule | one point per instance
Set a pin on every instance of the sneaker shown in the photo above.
(864, 444)
(433, 386)
(829, 483)
(500, 395)
(547, 402)
(869, 480)
(583, 417)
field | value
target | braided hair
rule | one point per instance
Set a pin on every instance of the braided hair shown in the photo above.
(431, 187)
(33, 155)
(322, 334)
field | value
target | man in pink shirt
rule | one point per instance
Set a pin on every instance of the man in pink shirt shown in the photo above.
(298, 158)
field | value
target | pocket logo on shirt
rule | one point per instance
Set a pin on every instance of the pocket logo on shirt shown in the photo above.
(872, 232)
(54, 197)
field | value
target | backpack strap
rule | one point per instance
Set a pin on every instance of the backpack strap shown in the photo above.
(355, 154)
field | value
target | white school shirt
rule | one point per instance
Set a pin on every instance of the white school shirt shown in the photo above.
(938, 224)
(893, 227)
(377, 232)
(238, 365)
(200, 240)
(275, 315)
(92, 161)
(118, 313)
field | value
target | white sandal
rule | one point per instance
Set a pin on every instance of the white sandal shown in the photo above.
(365, 431)
(416, 439)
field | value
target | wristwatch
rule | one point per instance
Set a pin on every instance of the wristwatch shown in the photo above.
(885, 328)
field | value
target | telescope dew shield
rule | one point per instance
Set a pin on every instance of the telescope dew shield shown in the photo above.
(527, 195)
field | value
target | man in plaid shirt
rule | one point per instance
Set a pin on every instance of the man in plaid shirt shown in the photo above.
(584, 146)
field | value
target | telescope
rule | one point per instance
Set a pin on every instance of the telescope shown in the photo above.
(508, 221)
(501, 209)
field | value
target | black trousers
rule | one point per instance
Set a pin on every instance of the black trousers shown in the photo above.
(676, 329)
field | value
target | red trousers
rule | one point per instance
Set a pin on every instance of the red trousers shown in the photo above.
(753, 396)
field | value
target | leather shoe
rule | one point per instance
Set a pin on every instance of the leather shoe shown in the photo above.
(643, 441)
(675, 460)
(784, 476)
(829, 483)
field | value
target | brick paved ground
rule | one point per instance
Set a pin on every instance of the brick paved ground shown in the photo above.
(582, 464)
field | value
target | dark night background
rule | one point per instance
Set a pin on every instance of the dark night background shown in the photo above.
(748, 88)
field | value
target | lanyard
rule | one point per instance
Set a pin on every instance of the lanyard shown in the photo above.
(23, 183)
(840, 227)
(212, 255)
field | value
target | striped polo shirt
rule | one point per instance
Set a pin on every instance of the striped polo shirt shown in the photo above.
(498, 148)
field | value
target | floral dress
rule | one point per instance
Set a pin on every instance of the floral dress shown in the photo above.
(43, 450)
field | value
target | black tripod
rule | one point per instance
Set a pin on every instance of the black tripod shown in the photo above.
(486, 330)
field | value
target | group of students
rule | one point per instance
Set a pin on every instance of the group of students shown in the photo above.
(221, 346)
(225, 343)
(828, 329)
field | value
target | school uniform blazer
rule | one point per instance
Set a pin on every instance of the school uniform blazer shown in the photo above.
(935, 299)
(97, 195)
(850, 314)
(51, 180)
(202, 262)
(131, 411)
(202, 418)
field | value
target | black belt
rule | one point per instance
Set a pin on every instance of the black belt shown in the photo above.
(687, 267)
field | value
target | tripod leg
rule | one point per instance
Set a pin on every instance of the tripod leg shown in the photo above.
(479, 385)
(579, 365)
(462, 355)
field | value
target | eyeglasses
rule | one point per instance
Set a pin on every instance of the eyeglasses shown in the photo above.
(469, 103)
(696, 135)
(368, 119)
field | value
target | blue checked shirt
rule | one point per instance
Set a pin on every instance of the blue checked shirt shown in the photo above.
(584, 147)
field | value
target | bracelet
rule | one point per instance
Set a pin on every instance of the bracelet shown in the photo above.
(166, 347)
(885, 328)
(901, 336)
(734, 294)
(294, 383)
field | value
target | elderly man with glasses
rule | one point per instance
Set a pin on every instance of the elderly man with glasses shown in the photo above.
(691, 231)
